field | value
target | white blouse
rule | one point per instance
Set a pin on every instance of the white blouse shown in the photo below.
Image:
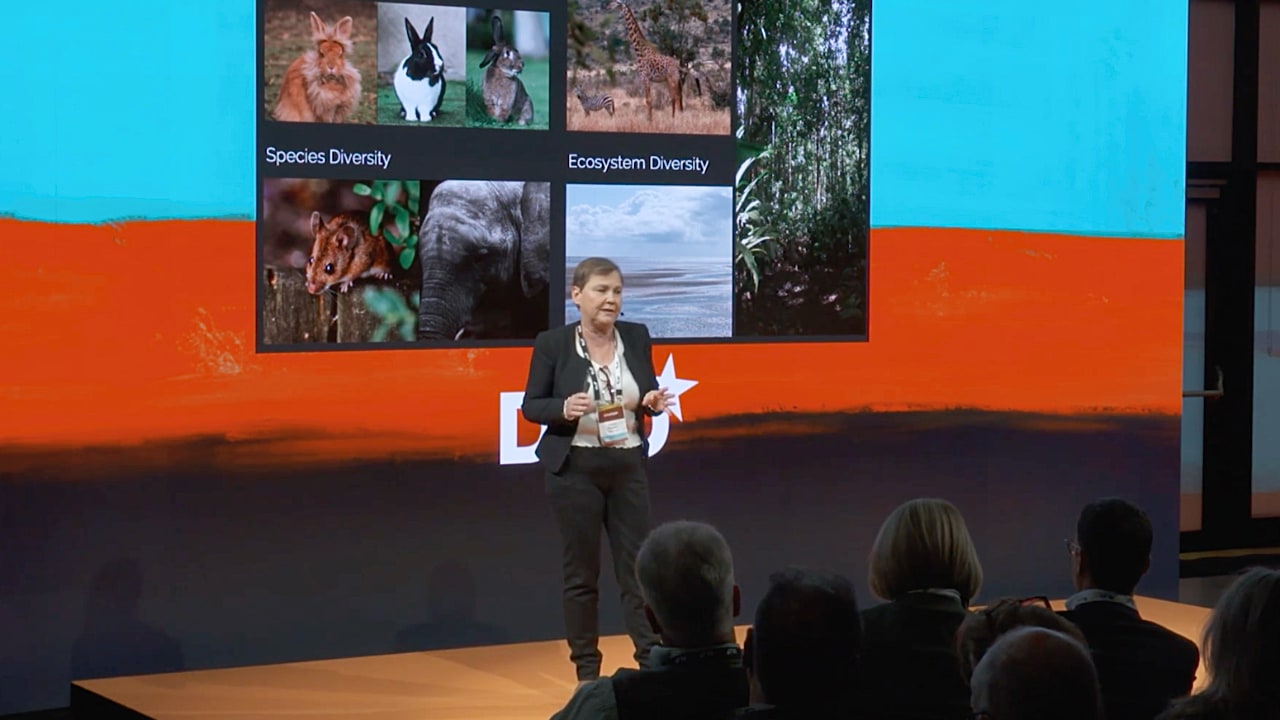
(588, 434)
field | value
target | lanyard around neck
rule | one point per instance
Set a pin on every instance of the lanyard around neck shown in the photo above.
(613, 373)
(1097, 595)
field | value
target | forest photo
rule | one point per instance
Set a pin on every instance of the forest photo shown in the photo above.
(802, 195)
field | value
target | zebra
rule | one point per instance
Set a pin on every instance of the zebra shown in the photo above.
(591, 103)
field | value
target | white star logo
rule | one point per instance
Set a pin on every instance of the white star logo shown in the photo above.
(677, 386)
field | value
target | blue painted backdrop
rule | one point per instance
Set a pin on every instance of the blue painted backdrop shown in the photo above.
(1059, 117)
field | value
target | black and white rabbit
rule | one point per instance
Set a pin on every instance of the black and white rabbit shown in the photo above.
(505, 98)
(419, 81)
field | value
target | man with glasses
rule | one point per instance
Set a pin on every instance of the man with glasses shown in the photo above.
(1141, 665)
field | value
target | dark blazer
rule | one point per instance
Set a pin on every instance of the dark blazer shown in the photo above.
(1198, 708)
(1141, 665)
(703, 693)
(556, 371)
(909, 667)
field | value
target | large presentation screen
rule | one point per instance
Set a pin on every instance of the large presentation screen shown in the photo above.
(429, 174)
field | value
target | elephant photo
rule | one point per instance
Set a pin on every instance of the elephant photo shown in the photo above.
(485, 253)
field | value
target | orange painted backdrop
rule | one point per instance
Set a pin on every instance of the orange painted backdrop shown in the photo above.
(125, 333)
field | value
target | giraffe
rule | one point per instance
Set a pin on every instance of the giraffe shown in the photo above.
(652, 65)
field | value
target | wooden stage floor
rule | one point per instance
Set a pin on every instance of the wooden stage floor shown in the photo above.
(528, 681)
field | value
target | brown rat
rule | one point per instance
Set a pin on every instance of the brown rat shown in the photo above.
(345, 251)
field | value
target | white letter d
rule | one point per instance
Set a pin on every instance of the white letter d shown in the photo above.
(510, 451)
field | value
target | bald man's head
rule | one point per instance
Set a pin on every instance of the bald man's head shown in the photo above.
(1033, 672)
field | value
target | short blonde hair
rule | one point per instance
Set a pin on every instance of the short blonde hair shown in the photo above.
(591, 267)
(923, 544)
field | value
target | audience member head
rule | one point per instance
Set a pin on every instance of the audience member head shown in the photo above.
(685, 571)
(1112, 549)
(1242, 650)
(1034, 673)
(924, 544)
(980, 629)
(803, 647)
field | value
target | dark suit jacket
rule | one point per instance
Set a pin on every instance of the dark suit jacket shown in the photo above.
(910, 667)
(1141, 665)
(703, 693)
(556, 371)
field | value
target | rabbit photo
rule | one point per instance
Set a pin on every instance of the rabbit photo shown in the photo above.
(420, 82)
(318, 61)
(508, 63)
(321, 85)
(505, 97)
(422, 65)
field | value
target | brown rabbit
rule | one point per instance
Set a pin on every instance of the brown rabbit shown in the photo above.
(505, 98)
(321, 85)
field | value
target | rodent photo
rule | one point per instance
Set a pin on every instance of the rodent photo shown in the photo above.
(339, 260)
(410, 261)
(319, 61)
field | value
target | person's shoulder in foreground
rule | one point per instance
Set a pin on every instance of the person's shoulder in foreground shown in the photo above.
(592, 701)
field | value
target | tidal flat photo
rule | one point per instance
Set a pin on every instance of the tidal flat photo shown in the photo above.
(674, 245)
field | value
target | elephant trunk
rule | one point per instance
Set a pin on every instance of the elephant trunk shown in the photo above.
(445, 308)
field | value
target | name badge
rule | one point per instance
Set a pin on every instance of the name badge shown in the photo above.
(612, 422)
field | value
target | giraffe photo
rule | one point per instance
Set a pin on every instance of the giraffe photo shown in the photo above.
(644, 66)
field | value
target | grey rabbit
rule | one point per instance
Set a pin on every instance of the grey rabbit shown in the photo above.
(505, 98)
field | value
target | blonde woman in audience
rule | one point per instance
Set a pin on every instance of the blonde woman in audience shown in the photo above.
(1242, 653)
(924, 563)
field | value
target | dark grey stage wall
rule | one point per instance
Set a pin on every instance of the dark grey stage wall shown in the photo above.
(185, 568)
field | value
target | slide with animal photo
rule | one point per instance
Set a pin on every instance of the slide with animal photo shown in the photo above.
(429, 174)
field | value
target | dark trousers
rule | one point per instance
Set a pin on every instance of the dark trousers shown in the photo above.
(601, 487)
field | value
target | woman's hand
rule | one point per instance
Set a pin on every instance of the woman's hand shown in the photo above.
(656, 400)
(576, 405)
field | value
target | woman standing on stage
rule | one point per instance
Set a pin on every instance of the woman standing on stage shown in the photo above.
(591, 383)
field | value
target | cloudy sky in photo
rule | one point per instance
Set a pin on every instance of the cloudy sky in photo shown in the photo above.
(651, 221)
